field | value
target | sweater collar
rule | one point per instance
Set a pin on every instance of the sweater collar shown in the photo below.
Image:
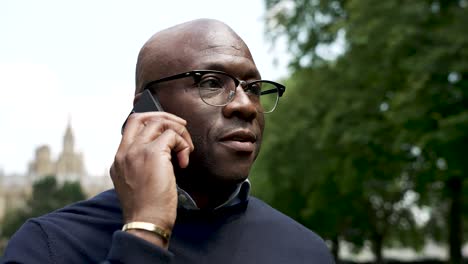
(239, 195)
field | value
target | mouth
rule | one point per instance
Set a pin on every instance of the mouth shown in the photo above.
(240, 141)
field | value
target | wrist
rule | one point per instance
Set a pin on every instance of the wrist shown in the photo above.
(165, 219)
(149, 232)
(149, 237)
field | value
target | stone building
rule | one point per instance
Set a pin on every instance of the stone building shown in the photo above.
(68, 166)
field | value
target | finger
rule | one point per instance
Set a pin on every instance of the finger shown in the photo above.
(183, 157)
(184, 133)
(133, 126)
(137, 121)
(165, 115)
(154, 129)
(176, 143)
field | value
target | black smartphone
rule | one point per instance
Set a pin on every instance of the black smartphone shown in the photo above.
(146, 103)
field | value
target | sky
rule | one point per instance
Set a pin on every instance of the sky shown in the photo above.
(73, 61)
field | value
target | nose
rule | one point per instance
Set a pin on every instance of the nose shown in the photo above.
(241, 106)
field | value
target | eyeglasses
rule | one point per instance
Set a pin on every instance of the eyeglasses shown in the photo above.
(218, 88)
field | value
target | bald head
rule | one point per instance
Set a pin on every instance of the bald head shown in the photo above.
(172, 50)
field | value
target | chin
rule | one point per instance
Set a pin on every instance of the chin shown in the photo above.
(214, 173)
(220, 167)
(233, 175)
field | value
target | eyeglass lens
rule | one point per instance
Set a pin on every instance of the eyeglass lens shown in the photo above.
(219, 89)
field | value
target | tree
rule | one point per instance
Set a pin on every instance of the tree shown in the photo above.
(394, 104)
(47, 195)
(331, 167)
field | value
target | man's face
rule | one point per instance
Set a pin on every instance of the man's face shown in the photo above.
(227, 139)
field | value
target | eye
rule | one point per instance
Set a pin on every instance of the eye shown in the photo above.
(211, 82)
(254, 89)
(211, 86)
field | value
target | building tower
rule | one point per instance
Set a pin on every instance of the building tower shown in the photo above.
(69, 163)
(42, 165)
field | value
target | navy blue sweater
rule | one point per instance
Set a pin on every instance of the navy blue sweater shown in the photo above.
(89, 232)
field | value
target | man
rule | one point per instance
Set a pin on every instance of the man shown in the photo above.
(206, 141)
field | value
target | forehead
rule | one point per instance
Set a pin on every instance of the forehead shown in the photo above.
(214, 47)
(235, 60)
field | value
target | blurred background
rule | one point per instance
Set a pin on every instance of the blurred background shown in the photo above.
(368, 146)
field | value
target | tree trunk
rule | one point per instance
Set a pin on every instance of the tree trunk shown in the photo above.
(454, 221)
(377, 246)
(336, 249)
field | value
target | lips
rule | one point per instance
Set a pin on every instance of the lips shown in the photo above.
(239, 141)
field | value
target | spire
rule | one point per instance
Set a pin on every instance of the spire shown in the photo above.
(68, 139)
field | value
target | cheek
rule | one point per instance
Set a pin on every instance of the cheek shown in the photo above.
(261, 123)
(201, 124)
(202, 132)
(201, 118)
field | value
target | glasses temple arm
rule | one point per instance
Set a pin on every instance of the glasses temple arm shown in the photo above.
(280, 91)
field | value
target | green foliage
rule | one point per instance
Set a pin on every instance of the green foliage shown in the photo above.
(47, 195)
(358, 141)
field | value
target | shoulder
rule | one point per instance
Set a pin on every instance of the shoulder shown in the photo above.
(32, 239)
(264, 212)
(91, 217)
(287, 229)
(61, 232)
(103, 207)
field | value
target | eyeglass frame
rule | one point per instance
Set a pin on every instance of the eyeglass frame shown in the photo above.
(197, 74)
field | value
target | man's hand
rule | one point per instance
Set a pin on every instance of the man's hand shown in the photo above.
(142, 171)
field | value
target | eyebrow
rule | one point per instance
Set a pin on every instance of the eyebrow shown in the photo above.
(252, 73)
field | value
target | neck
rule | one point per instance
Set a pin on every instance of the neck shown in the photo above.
(207, 195)
(206, 190)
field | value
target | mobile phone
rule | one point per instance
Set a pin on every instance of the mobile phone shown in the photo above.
(146, 103)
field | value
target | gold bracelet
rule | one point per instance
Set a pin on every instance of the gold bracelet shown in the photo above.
(165, 235)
